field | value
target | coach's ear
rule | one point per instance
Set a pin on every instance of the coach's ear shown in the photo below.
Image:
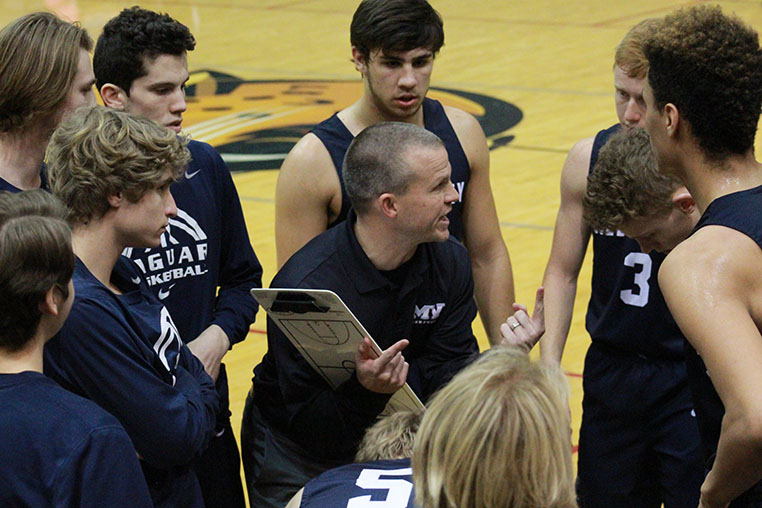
(387, 202)
(683, 201)
(114, 97)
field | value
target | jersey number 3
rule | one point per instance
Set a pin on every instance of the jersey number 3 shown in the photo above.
(628, 296)
(399, 489)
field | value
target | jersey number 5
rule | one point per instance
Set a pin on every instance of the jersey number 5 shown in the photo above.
(639, 299)
(399, 489)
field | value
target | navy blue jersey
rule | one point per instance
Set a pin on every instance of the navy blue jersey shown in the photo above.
(123, 352)
(336, 138)
(7, 186)
(205, 247)
(627, 311)
(432, 307)
(61, 450)
(382, 483)
(732, 211)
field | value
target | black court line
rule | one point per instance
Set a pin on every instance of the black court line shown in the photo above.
(536, 148)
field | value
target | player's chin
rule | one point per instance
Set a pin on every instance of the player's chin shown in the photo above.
(155, 240)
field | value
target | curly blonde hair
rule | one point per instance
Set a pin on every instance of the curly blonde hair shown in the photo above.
(497, 435)
(98, 152)
(625, 183)
(391, 437)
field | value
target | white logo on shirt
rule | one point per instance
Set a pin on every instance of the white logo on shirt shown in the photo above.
(163, 293)
(427, 313)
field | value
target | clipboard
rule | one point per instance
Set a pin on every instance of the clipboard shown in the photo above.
(327, 334)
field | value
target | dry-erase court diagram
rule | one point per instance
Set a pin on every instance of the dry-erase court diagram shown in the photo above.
(326, 333)
(330, 333)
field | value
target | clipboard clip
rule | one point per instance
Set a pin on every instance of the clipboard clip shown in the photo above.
(297, 303)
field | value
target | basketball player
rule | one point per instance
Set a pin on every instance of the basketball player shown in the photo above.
(394, 43)
(45, 73)
(120, 347)
(627, 193)
(703, 98)
(58, 449)
(639, 444)
(382, 464)
(141, 66)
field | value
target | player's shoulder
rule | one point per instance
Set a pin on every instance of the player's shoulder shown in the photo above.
(308, 169)
(76, 413)
(701, 256)
(203, 157)
(721, 249)
(580, 153)
(200, 148)
(464, 123)
(309, 148)
(314, 262)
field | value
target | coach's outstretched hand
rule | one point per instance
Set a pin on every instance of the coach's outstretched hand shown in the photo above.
(381, 374)
(522, 331)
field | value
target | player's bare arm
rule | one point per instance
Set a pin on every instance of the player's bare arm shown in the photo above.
(712, 283)
(570, 238)
(491, 264)
(307, 196)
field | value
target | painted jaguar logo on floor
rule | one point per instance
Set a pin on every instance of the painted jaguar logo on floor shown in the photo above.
(254, 124)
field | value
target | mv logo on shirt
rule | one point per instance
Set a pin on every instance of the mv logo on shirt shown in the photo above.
(427, 314)
(183, 253)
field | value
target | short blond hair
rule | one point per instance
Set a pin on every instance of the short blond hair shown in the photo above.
(98, 151)
(39, 56)
(391, 437)
(497, 435)
(629, 54)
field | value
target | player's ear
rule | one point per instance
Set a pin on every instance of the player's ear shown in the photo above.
(114, 97)
(683, 201)
(671, 118)
(387, 202)
(359, 60)
(115, 199)
(49, 304)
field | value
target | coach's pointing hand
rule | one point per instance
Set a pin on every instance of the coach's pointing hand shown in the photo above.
(381, 374)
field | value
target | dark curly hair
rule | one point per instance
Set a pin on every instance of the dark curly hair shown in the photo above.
(396, 25)
(709, 66)
(132, 37)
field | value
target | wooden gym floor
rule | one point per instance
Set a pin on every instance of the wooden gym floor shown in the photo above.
(537, 73)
